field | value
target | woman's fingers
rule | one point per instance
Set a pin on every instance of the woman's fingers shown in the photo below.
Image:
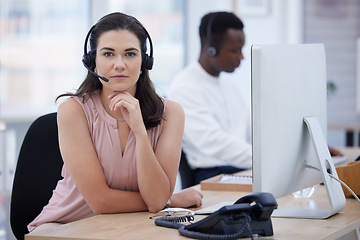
(130, 109)
(119, 98)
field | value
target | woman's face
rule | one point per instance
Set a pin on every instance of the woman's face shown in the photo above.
(118, 58)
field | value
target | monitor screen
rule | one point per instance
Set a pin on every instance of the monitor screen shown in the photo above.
(289, 121)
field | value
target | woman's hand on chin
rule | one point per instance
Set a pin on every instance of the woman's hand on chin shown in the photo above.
(130, 109)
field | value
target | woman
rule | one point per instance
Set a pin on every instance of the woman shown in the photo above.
(120, 142)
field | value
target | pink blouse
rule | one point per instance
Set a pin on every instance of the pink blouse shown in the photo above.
(67, 204)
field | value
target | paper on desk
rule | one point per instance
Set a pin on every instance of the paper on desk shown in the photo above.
(213, 208)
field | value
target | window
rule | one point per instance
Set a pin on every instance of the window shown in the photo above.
(41, 46)
(40, 53)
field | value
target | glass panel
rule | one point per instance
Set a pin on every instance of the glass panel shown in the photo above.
(40, 53)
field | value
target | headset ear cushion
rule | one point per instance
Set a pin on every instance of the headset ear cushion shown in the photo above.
(89, 60)
(147, 63)
(211, 51)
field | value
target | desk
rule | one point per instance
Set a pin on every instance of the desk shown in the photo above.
(138, 225)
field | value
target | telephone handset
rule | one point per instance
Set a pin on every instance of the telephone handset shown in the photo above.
(247, 216)
(264, 205)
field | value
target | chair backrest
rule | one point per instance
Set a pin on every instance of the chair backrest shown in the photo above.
(37, 173)
(186, 173)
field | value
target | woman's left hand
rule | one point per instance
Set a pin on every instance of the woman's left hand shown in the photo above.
(188, 197)
(130, 109)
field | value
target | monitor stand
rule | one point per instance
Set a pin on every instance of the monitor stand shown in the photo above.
(333, 188)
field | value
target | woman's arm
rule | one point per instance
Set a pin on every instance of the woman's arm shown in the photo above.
(157, 170)
(83, 165)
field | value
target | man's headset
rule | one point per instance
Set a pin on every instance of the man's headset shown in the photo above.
(88, 58)
(211, 50)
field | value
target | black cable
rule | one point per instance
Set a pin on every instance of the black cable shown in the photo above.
(245, 231)
(174, 222)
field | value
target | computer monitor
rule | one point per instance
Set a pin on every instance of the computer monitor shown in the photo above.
(289, 125)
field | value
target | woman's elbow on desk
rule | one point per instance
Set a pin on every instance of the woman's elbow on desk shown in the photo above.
(117, 201)
(157, 203)
(158, 207)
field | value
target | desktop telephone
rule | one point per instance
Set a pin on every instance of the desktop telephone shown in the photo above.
(247, 216)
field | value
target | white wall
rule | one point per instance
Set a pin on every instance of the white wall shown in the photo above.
(282, 23)
(337, 25)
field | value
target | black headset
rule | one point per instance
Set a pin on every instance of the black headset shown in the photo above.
(211, 50)
(88, 58)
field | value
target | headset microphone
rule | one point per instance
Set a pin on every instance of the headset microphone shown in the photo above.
(93, 73)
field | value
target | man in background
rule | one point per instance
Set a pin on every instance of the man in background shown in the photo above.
(217, 120)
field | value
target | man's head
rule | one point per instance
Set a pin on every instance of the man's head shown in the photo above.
(222, 39)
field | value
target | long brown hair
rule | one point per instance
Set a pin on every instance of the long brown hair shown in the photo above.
(152, 106)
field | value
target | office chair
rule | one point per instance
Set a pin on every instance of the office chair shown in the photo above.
(186, 173)
(37, 172)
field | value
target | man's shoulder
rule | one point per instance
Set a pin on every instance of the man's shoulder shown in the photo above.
(185, 87)
(187, 77)
(230, 83)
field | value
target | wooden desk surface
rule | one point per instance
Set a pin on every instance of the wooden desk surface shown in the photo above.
(136, 226)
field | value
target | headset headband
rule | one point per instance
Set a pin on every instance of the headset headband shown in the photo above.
(211, 50)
